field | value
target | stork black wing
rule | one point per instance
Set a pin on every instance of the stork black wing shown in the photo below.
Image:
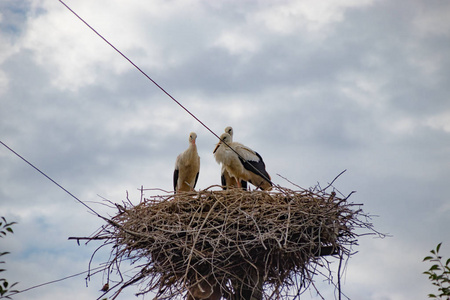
(175, 179)
(257, 167)
(196, 178)
(224, 181)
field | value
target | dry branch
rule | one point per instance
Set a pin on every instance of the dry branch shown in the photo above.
(231, 238)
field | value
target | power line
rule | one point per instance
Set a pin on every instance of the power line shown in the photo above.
(160, 87)
(54, 281)
(48, 177)
(139, 69)
(73, 196)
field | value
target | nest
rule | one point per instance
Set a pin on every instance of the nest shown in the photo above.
(268, 244)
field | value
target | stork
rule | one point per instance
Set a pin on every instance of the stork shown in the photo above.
(187, 167)
(243, 163)
(226, 179)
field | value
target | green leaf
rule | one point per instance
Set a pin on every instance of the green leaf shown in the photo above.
(438, 247)
(10, 229)
(435, 267)
(431, 296)
(428, 258)
(448, 262)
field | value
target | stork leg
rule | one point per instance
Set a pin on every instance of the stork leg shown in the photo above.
(239, 183)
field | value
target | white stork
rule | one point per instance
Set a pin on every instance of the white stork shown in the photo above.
(187, 167)
(226, 179)
(248, 165)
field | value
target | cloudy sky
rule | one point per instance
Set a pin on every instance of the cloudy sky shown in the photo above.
(316, 87)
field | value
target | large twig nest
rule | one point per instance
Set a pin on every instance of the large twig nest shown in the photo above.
(227, 237)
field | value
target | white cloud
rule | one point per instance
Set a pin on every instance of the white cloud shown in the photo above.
(366, 90)
(315, 87)
(300, 16)
(62, 45)
(402, 125)
(440, 121)
(237, 42)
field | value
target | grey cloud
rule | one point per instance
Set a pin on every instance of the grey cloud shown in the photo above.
(359, 97)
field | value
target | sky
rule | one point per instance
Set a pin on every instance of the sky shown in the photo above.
(316, 87)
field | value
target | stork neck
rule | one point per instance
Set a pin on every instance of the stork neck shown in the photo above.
(192, 150)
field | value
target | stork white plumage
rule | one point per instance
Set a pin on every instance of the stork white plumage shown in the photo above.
(227, 180)
(229, 130)
(187, 167)
(248, 165)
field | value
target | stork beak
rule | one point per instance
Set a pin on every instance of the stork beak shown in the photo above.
(218, 144)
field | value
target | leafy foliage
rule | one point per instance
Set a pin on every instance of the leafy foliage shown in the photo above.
(5, 287)
(439, 274)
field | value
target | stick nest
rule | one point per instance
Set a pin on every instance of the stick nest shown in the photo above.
(226, 237)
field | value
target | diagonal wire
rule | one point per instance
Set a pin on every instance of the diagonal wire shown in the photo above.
(60, 186)
(139, 69)
(160, 87)
(53, 281)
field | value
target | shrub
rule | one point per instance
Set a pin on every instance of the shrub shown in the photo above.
(439, 274)
(5, 287)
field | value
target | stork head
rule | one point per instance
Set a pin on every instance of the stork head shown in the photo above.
(225, 137)
(192, 138)
(229, 130)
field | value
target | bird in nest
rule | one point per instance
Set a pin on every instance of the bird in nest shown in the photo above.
(226, 179)
(242, 163)
(187, 167)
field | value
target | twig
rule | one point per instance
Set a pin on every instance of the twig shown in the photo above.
(227, 235)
